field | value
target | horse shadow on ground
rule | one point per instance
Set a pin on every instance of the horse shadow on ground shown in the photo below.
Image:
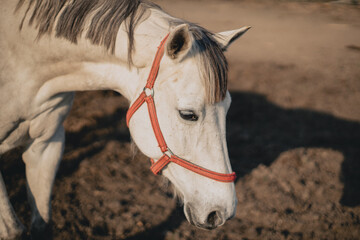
(258, 132)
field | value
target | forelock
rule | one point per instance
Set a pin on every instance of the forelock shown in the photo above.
(211, 63)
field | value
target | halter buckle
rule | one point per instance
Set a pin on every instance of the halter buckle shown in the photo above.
(148, 91)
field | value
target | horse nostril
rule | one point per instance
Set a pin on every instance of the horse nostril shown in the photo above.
(214, 219)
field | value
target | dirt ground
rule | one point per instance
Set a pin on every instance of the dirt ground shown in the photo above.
(293, 136)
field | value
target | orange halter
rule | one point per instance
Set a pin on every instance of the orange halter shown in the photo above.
(168, 156)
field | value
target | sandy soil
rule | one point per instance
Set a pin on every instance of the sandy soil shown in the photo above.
(293, 137)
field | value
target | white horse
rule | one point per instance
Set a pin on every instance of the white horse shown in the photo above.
(50, 49)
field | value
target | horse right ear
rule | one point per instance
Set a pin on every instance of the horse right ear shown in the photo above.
(224, 39)
(179, 42)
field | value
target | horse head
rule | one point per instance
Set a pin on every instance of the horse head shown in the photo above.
(191, 100)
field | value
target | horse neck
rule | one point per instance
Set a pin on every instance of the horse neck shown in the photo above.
(122, 75)
(66, 66)
(56, 65)
(81, 67)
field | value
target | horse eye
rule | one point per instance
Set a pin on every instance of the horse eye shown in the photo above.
(188, 115)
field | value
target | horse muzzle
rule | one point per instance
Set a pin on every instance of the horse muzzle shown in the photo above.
(211, 219)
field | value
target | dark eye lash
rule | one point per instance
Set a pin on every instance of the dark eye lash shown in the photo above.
(188, 115)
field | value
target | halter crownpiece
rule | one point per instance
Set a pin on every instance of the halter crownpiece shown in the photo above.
(147, 95)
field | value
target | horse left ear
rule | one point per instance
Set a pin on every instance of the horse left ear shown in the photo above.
(179, 42)
(226, 38)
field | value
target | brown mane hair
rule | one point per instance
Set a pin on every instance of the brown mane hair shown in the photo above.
(68, 18)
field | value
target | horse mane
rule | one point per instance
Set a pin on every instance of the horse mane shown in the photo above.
(69, 18)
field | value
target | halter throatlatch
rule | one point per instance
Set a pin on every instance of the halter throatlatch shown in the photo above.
(168, 156)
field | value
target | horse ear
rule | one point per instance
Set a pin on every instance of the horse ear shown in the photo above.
(179, 42)
(226, 38)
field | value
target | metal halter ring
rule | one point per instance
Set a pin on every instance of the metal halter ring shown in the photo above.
(147, 92)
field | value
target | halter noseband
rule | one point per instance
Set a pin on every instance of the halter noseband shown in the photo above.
(147, 96)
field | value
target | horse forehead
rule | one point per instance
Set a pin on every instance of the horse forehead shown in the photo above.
(189, 78)
(183, 82)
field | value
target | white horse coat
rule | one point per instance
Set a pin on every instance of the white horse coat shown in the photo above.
(39, 74)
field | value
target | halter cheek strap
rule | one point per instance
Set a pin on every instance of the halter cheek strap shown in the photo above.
(147, 96)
